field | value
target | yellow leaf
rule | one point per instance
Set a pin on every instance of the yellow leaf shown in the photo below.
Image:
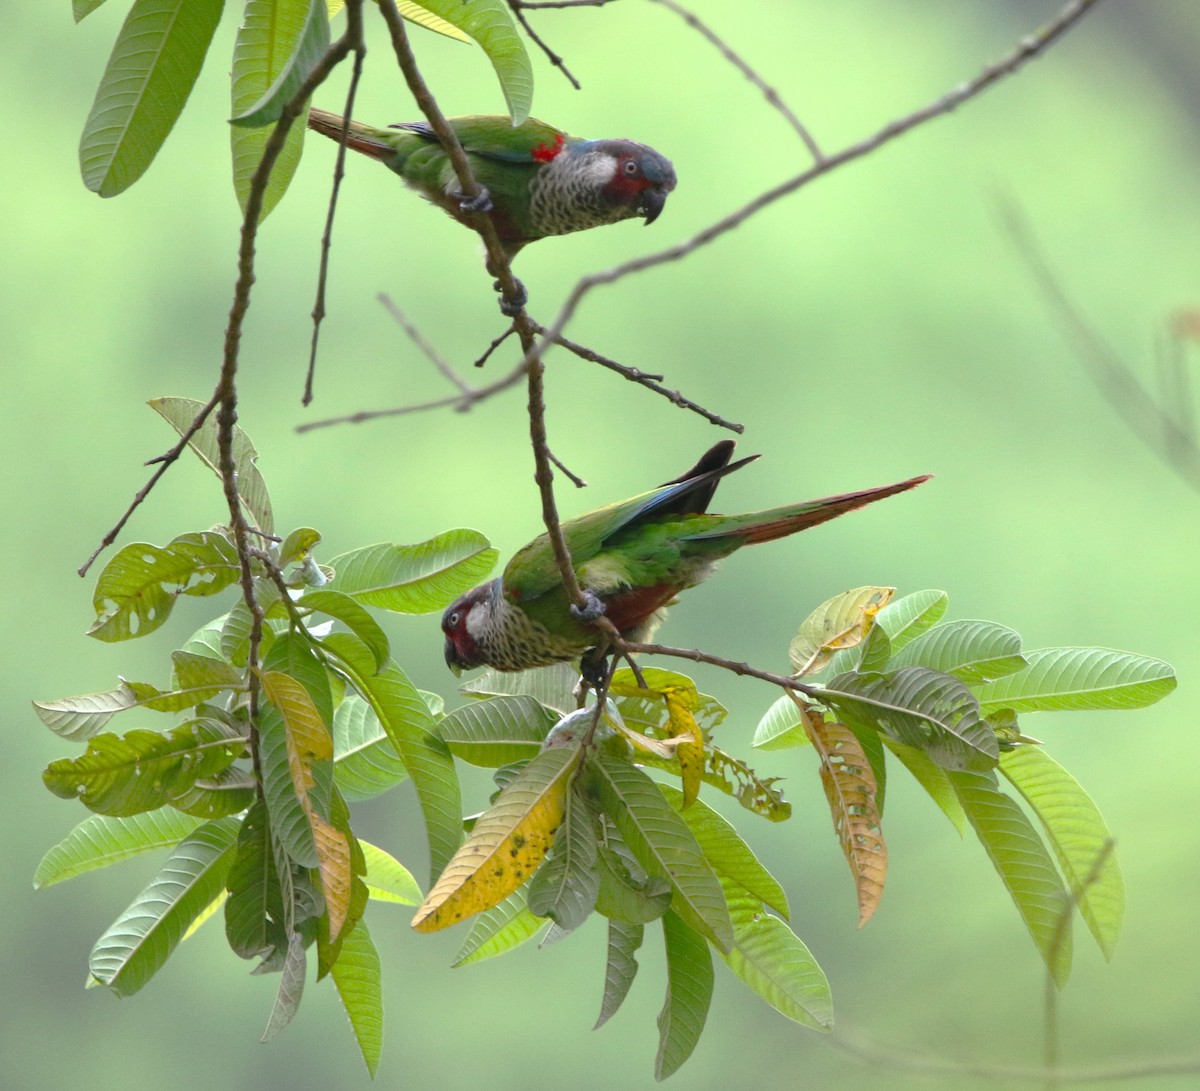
(415, 13)
(308, 742)
(850, 788)
(690, 753)
(838, 623)
(509, 840)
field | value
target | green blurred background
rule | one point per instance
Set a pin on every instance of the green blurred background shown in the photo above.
(875, 326)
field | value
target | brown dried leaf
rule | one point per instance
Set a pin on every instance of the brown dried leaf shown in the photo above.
(850, 788)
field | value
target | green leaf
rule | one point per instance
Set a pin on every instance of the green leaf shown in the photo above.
(972, 651)
(416, 579)
(179, 413)
(357, 975)
(1078, 679)
(729, 855)
(689, 993)
(277, 58)
(230, 791)
(387, 879)
(490, 23)
(775, 964)
(289, 820)
(292, 654)
(498, 930)
(100, 840)
(155, 62)
(925, 709)
(365, 761)
(620, 968)
(215, 559)
(1023, 864)
(933, 779)
(406, 719)
(664, 845)
(142, 938)
(552, 686)
(143, 770)
(234, 640)
(342, 607)
(623, 896)
(781, 726)
(268, 39)
(83, 8)
(497, 732)
(298, 544)
(1078, 835)
(197, 678)
(291, 988)
(564, 887)
(254, 910)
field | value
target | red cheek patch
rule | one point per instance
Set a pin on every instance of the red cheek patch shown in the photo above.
(543, 153)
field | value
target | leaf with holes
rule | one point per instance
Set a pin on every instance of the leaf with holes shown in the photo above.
(143, 770)
(838, 623)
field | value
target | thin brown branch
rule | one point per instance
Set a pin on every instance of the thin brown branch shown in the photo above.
(1167, 435)
(496, 343)
(164, 463)
(651, 382)
(574, 478)
(462, 403)
(768, 92)
(426, 348)
(745, 669)
(354, 32)
(551, 56)
(1028, 49)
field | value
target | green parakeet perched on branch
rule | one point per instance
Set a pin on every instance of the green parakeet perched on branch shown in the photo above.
(537, 180)
(631, 559)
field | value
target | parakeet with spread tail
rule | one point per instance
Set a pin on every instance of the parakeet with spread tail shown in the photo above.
(537, 180)
(632, 559)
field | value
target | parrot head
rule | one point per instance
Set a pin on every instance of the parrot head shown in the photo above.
(462, 623)
(641, 178)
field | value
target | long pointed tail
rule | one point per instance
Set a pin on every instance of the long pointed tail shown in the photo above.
(766, 526)
(361, 138)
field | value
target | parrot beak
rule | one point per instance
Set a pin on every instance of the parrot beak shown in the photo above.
(654, 198)
(452, 657)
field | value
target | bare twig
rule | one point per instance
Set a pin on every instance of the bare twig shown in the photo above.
(651, 382)
(354, 32)
(574, 478)
(768, 92)
(1026, 50)
(1167, 429)
(496, 343)
(551, 56)
(164, 462)
(426, 348)
(462, 403)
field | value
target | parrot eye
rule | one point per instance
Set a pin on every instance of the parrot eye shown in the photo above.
(631, 168)
(452, 620)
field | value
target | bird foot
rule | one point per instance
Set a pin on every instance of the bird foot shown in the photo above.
(510, 306)
(593, 668)
(482, 202)
(591, 610)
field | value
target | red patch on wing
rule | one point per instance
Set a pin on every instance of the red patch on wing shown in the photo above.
(543, 153)
(629, 609)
